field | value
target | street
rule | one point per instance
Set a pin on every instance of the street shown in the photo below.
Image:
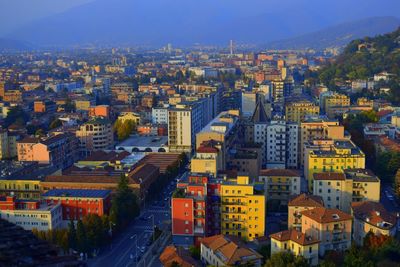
(136, 238)
(389, 199)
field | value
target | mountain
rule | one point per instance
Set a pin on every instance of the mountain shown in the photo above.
(14, 45)
(184, 22)
(363, 58)
(339, 35)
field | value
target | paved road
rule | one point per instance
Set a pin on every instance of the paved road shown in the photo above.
(389, 199)
(123, 250)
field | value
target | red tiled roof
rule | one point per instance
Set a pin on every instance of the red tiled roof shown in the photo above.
(330, 176)
(305, 200)
(324, 215)
(373, 213)
(295, 236)
(178, 255)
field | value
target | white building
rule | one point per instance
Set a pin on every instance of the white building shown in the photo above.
(159, 115)
(248, 103)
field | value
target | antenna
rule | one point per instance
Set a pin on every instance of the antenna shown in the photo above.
(231, 47)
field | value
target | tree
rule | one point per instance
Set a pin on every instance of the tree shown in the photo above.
(81, 237)
(16, 115)
(125, 205)
(124, 129)
(72, 235)
(55, 124)
(195, 252)
(95, 231)
(286, 259)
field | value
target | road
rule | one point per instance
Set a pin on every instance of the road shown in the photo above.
(122, 252)
(389, 199)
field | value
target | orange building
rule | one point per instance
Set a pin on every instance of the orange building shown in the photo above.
(100, 111)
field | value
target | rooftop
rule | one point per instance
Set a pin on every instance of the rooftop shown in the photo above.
(375, 214)
(84, 193)
(221, 121)
(295, 236)
(280, 172)
(305, 200)
(144, 141)
(324, 215)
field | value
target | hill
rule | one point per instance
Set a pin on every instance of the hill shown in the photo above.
(339, 35)
(14, 45)
(363, 58)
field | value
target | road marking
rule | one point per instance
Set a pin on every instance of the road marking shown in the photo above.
(129, 249)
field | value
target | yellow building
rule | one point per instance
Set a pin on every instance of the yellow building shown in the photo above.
(280, 184)
(296, 242)
(335, 157)
(22, 189)
(125, 116)
(331, 226)
(339, 190)
(333, 101)
(300, 203)
(207, 159)
(83, 104)
(3, 144)
(242, 209)
(372, 217)
(363, 101)
(317, 128)
(296, 111)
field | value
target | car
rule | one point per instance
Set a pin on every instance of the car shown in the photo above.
(141, 249)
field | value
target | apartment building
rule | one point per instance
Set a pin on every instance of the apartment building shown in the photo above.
(280, 184)
(220, 250)
(334, 100)
(159, 115)
(191, 212)
(223, 129)
(44, 107)
(332, 227)
(129, 116)
(31, 214)
(318, 128)
(59, 150)
(184, 122)
(333, 157)
(96, 134)
(300, 203)
(208, 158)
(297, 243)
(372, 217)
(298, 110)
(242, 209)
(279, 143)
(339, 190)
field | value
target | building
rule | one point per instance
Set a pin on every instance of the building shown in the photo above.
(299, 203)
(100, 111)
(60, 150)
(279, 143)
(208, 159)
(332, 101)
(172, 255)
(220, 250)
(297, 110)
(77, 203)
(332, 227)
(317, 128)
(96, 134)
(222, 129)
(372, 217)
(184, 122)
(159, 115)
(339, 190)
(44, 107)
(129, 116)
(248, 103)
(30, 214)
(297, 243)
(136, 143)
(242, 209)
(280, 184)
(335, 157)
(190, 210)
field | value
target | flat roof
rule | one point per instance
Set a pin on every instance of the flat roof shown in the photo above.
(84, 193)
(217, 122)
(144, 141)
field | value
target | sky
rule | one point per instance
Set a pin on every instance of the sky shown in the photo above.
(16, 13)
(48, 22)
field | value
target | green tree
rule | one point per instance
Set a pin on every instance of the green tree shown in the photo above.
(55, 124)
(125, 205)
(124, 129)
(16, 115)
(195, 252)
(95, 231)
(81, 237)
(286, 259)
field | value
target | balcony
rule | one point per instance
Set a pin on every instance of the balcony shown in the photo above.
(234, 211)
(199, 216)
(337, 230)
(232, 228)
(199, 230)
(233, 220)
(234, 203)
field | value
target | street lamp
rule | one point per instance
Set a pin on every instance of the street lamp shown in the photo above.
(154, 233)
(111, 224)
